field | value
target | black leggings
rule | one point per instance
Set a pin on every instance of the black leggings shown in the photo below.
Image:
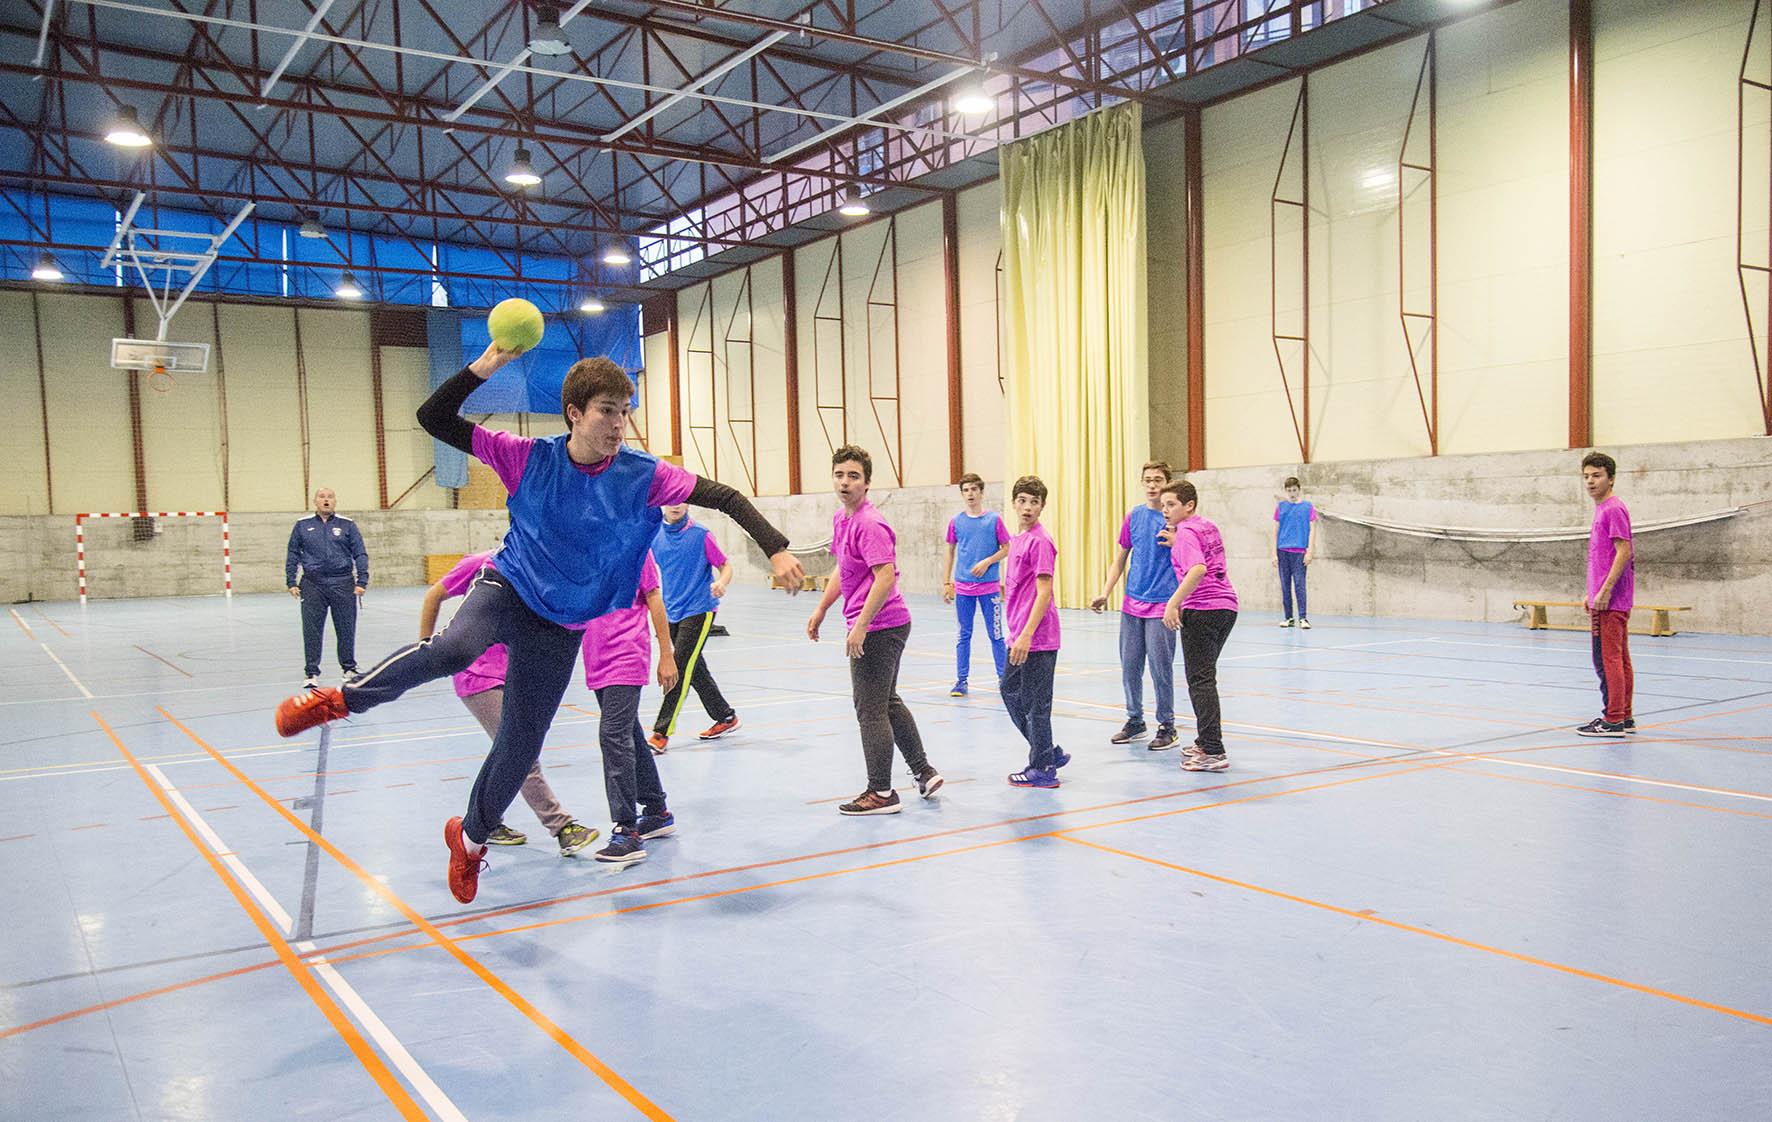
(688, 636)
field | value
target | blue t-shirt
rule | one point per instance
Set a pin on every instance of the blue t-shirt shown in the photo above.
(686, 554)
(1149, 576)
(975, 539)
(1294, 533)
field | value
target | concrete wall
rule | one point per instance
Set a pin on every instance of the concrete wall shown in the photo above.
(184, 556)
(1722, 569)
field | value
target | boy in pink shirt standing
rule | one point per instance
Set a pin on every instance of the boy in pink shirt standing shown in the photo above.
(616, 650)
(1611, 592)
(1033, 656)
(1203, 609)
(879, 626)
(481, 688)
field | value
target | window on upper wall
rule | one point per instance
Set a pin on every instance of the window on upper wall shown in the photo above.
(660, 252)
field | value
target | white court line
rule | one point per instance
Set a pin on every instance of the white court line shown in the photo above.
(1609, 775)
(1635, 654)
(84, 769)
(390, 1045)
(66, 671)
(21, 622)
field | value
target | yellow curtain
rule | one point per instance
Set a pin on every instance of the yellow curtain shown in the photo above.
(1074, 359)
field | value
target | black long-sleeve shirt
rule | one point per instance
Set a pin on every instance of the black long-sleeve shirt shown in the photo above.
(440, 415)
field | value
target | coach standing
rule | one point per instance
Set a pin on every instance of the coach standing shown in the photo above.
(328, 550)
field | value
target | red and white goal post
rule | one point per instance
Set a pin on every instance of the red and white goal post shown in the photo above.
(226, 558)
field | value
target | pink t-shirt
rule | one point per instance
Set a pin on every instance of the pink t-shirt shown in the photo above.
(1198, 542)
(508, 454)
(1032, 554)
(1132, 605)
(861, 541)
(488, 671)
(618, 647)
(1611, 522)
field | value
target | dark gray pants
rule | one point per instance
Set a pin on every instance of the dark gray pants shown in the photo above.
(630, 773)
(1027, 694)
(873, 680)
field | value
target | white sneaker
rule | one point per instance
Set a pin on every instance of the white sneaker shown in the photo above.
(311, 684)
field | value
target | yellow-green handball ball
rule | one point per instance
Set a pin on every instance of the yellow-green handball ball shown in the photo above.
(515, 325)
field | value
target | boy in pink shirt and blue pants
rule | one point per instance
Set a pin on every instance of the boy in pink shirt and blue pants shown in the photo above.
(1203, 610)
(1033, 656)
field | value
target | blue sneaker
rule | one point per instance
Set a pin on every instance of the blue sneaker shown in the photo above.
(660, 825)
(624, 848)
(959, 689)
(1035, 777)
(1059, 757)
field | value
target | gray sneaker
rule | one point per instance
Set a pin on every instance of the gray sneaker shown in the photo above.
(1164, 740)
(573, 837)
(1130, 731)
(504, 835)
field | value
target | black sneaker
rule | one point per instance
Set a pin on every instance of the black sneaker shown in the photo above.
(656, 825)
(504, 835)
(1130, 731)
(624, 848)
(1600, 726)
(1630, 725)
(928, 783)
(869, 803)
(1165, 739)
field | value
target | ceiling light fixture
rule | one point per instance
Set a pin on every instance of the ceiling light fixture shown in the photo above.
(126, 131)
(591, 306)
(520, 173)
(310, 226)
(547, 37)
(971, 99)
(616, 254)
(46, 269)
(853, 204)
(347, 288)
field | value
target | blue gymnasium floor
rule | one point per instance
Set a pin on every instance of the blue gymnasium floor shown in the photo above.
(1415, 895)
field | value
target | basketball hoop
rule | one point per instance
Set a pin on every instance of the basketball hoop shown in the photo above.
(160, 381)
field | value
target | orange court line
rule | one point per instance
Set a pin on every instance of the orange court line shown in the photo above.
(498, 985)
(1366, 916)
(49, 621)
(844, 798)
(303, 974)
(17, 837)
(1709, 716)
(94, 826)
(17, 1030)
(20, 620)
(330, 773)
(151, 654)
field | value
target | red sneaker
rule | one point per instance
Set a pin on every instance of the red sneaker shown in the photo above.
(309, 709)
(659, 743)
(464, 867)
(721, 728)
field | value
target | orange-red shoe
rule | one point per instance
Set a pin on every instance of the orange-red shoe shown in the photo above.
(308, 709)
(721, 728)
(659, 743)
(464, 867)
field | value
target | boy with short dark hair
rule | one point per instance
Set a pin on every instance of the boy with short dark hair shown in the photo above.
(584, 508)
(1203, 610)
(1033, 657)
(977, 543)
(1143, 638)
(1295, 539)
(1611, 592)
(687, 557)
(879, 626)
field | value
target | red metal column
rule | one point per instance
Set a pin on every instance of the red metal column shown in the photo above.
(1194, 192)
(791, 361)
(950, 259)
(43, 403)
(143, 527)
(1581, 222)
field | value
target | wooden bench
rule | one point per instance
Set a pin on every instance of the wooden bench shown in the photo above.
(814, 582)
(1537, 616)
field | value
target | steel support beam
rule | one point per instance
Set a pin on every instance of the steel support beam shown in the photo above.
(1581, 222)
